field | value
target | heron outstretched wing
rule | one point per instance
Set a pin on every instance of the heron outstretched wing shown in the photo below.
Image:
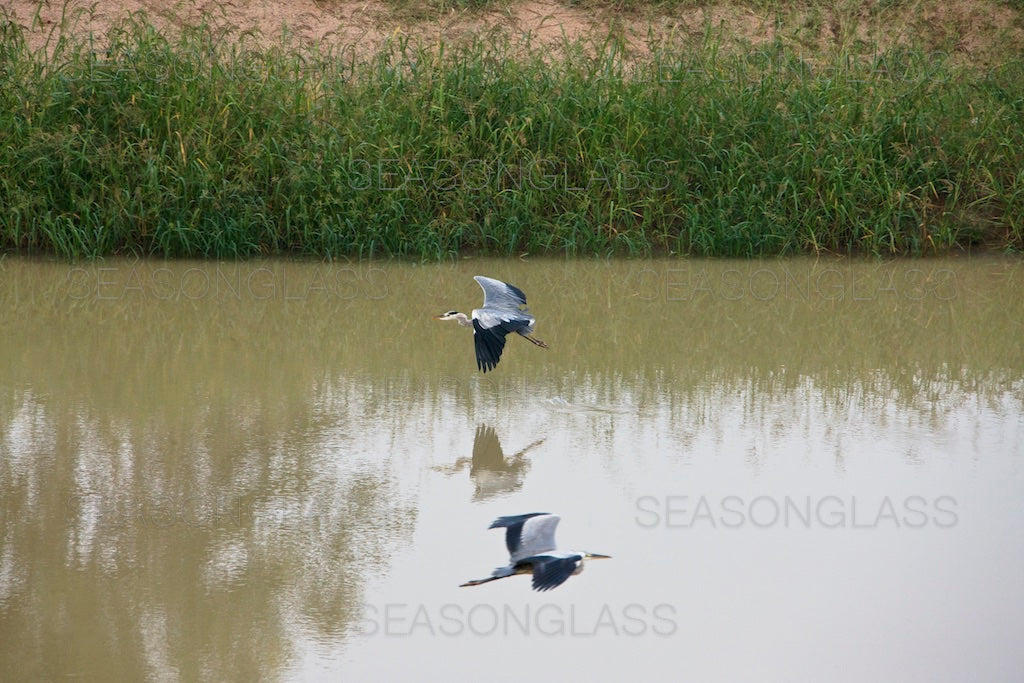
(500, 295)
(487, 447)
(489, 339)
(549, 572)
(528, 535)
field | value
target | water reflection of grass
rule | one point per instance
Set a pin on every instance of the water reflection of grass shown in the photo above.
(214, 471)
(197, 145)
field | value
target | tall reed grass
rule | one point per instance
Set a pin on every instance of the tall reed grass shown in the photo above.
(197, 145)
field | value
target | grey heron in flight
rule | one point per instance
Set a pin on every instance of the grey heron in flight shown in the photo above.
(504, 311)
(531, 547)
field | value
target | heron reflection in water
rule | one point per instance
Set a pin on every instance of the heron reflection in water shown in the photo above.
(530, 540)
(493, 473)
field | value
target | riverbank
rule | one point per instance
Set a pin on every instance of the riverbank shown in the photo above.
(195, 141)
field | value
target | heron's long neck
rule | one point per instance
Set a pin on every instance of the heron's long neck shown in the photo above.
(464, 320)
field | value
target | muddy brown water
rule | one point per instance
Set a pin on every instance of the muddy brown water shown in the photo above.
(272, 470)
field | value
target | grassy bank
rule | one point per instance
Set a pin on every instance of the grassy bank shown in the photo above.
(193, 145)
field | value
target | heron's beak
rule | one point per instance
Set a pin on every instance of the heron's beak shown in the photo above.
(596, 556)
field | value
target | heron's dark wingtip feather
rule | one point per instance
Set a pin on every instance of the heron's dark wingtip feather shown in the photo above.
(553, 572)
(517, 292)
(509, 520)
(489, 345)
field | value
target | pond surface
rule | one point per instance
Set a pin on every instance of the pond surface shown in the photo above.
(804, 470)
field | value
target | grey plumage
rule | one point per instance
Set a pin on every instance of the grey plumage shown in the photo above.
(503, 312)
(530, 540)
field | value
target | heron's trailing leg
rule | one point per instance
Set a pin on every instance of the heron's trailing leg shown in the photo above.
(538, 342)
(477, 582)
(499, 573)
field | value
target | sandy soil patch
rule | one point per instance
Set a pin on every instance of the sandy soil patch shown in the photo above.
(980, 31)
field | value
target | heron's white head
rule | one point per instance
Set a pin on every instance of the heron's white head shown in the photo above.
(455, 315)
(584, 555)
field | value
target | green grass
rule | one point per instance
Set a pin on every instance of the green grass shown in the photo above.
(193, 145)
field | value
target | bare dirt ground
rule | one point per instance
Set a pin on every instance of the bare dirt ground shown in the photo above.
(983, 32)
